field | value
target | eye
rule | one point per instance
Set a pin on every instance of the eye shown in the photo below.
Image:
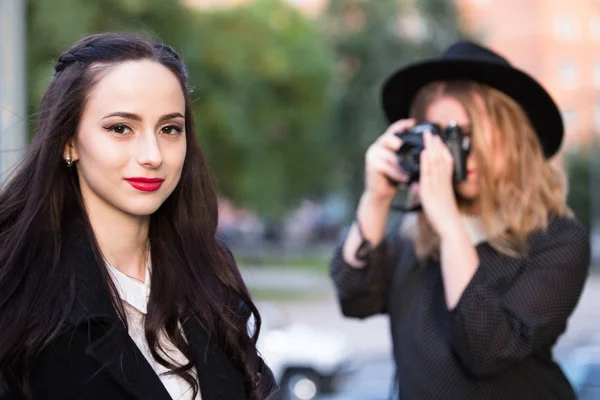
(171, 130)
(119, 129)
(466, 130)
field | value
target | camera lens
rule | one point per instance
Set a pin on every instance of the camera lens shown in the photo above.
(409, 157)
(409, 153)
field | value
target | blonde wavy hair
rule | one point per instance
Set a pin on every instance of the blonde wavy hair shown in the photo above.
(523, 196)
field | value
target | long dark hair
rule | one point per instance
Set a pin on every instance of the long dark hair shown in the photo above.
(192, 273)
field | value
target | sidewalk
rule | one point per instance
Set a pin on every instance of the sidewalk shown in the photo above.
(292, 279)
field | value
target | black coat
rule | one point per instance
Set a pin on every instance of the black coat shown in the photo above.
(95, 358)
(497, 342)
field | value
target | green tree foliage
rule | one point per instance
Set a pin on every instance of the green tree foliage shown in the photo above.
(260, 74)
(580, 166)
(54, 25)
(442, 24)
(261, 103)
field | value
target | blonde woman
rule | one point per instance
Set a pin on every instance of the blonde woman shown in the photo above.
(480, 283)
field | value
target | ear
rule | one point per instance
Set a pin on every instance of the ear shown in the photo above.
(71, 149)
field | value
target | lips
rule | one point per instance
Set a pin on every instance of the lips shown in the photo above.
(145, 184)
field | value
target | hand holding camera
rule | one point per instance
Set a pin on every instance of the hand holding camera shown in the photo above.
(432, 157)
(381, 163)
(458, 144)
(436, 186)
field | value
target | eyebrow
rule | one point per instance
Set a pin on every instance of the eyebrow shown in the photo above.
(136, 117)
(467, 126)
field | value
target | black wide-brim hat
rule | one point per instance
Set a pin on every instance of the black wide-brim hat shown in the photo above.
(466, 60)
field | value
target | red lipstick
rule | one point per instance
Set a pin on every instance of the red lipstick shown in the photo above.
(145, 184)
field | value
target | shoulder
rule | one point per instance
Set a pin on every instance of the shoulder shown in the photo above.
(564, 245)
(562, 231)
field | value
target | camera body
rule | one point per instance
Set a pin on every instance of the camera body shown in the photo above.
(413, 144)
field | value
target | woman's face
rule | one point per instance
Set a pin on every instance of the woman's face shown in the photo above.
(130, 144)
(447, 109)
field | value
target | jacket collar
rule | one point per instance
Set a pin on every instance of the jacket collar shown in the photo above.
(114, 350)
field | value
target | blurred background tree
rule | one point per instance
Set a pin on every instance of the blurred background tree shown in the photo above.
(262, 73)
(578, 199)
(583, 168)
(54, 25)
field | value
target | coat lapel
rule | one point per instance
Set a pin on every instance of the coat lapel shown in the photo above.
(218, 379)
(110, 343)
(120, 356)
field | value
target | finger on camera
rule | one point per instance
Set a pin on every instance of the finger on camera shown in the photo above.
(399, 172)
(435, 147)
(442, 152)
(399, 126)
(386, 154)
(391, 142)
(424, 160)
(380, 154)
(390, 170)
(428, 139)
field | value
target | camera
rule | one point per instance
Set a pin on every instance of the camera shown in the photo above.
(412, 145)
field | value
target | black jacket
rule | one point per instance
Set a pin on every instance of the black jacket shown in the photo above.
(497, 342)
(95, 357)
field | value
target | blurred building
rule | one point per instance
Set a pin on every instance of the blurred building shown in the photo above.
(556, 41)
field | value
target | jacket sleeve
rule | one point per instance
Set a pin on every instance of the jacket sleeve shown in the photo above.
(492, 330)
(362, 292)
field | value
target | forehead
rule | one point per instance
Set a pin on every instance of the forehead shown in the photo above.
(137, 86)
(446, 109)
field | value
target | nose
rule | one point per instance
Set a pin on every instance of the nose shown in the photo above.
(149, 153)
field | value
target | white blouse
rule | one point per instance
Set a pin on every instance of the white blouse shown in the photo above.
(135, 295)
(475, 229)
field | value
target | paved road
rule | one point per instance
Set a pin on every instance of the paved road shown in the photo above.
(371, 382)
(285, 279)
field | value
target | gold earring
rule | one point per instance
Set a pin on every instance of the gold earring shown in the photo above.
(68, 160)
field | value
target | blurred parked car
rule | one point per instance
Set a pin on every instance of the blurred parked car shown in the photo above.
(307, 362)
(582, 367)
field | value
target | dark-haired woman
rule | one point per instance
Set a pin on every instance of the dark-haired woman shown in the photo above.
(112, 284)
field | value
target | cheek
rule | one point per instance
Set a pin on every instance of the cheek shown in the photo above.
(179, 153)
(100, 156)
(469, 189)
(104, 160)
(174, 155)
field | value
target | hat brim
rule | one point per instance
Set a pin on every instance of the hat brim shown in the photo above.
(400, 89)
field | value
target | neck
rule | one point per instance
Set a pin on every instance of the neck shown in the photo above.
(469, 207)
(122, 238)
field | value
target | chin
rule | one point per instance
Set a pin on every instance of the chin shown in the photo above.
(142, 209)
(468, 191)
